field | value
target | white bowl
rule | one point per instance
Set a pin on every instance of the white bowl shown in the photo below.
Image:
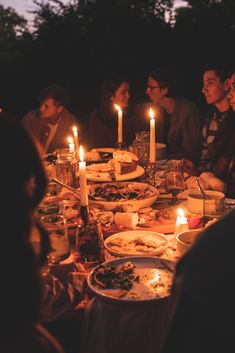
(160, 150)
(214, 203)
(126, 205)
(185, 240)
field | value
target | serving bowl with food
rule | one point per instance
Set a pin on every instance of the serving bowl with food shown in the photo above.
(123, 196)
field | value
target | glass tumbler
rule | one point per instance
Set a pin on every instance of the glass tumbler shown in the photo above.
(67, 167)
(57, 228)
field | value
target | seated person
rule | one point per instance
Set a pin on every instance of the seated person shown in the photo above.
(179, 122)
(219, 122)
(52, 122)
(202, 296)
(103, 122)
(21, 294)
(225, 166)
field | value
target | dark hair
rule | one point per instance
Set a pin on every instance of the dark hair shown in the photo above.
(58, 93)
(109, 87)
(166, 77)
(21, 163)
(219, 70)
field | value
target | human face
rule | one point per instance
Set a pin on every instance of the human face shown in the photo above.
(231, 94)
(122, 95)
(213, 89)
(48, 109)
(154, 91)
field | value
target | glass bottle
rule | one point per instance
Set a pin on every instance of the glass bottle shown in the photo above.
(89, 239)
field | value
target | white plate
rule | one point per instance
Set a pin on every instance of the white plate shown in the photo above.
(94, 173)
(134, 205)
(136, 243)
(150, 270)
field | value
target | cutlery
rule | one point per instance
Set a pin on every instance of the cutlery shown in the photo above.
(73, 190)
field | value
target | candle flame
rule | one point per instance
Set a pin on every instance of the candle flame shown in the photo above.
(81, 153)
(75, 131)
(151, 113)
(180, 212)
(117, 107)
(70, 139)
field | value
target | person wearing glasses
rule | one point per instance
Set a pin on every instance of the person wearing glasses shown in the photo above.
(179, 122)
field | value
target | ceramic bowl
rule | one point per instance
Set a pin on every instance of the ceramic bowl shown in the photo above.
(185, 240)
(148, 198)
(214, 202)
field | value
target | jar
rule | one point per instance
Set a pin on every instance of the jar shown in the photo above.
(67, 167)
(141, 146)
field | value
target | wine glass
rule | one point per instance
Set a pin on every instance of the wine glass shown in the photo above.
(174, 180)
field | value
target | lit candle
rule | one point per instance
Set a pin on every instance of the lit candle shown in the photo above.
(82, 178)
(181, 222)
(152, 143)
(119, 122)
(75, 134)
(71, 144)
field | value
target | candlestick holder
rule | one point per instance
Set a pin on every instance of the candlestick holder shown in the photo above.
(121, 145)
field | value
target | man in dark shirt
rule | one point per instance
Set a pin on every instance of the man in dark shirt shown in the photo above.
(219, 122)
(51, 124)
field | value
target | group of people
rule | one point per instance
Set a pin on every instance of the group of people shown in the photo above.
(202, 294)
(203, 141)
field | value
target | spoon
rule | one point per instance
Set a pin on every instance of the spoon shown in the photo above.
(204, 196)
(201, 190)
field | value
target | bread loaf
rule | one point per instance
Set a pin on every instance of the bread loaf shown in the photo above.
(128, 220)
(192, 184)
(213, 182)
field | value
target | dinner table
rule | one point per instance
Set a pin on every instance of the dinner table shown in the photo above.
(85, 321)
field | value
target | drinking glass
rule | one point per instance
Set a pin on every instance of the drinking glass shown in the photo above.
(174, 179)
(56, 226)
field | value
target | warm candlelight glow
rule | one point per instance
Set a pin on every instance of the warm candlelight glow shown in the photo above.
(181, 222)
(83, 178)
(152, 142)
(75, 131)
(117, 107)
(81, 154)
(71, 144)
(119, 110)
(75, 134)
(151, 113)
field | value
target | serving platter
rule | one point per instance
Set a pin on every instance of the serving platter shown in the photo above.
(151, 279)
(136, 243)
(100, 172)
(125, 196)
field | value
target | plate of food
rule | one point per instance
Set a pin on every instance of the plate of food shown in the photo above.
(133, 279)
(136, 243)
(122, 196)
(98, 155)
(101, 172)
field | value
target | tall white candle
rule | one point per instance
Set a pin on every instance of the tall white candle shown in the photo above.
(71, 144)
(75, 134)
(83, 179)
(181, 222)
(119, 110)
(152, 143)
